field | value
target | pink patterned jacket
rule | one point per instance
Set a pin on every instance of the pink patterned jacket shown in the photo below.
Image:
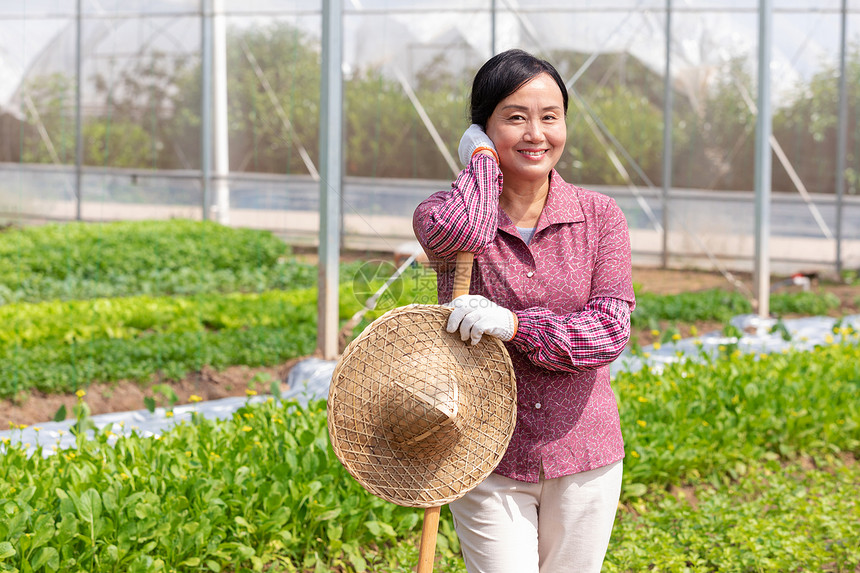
(572, 292)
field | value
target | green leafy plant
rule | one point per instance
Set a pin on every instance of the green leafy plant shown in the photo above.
(708, 415)
(710, 305)
(263, 489)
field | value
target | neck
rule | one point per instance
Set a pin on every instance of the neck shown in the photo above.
(524, 204)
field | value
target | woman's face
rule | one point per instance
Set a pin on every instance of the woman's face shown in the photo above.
(529, 132)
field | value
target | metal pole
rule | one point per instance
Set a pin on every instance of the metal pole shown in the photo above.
(763, 162)
(667, 135)
(493, 28)
(219, 85)
(79, 127)
(206, 104)
(331, 180)
(842, 138)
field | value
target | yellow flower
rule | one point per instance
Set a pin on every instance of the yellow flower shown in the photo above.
(655, 332)
(634, 453)
(646, 354)
(642, 399)
(247, 428)
(828, 339)
(657, 346)
(250, 393)
(705, 423)
(37, 428)
(168, 414)
(676, 337)
(694, 331)
(195, 398)
(642, 423)
(123, 475)
(80, 393)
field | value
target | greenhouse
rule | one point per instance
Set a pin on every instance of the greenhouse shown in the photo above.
(105, 115)
(204, 204)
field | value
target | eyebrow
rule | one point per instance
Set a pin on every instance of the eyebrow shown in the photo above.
(525, 108)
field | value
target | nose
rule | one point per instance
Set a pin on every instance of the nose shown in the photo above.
(533, 131)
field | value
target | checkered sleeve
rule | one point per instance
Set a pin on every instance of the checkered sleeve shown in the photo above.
(465, 217)
(590, 338)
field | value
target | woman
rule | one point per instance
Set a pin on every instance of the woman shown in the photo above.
(551, 278)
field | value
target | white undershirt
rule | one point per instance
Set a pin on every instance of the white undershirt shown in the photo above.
(526, 233)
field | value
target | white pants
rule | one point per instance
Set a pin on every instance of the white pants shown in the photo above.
(555, 526)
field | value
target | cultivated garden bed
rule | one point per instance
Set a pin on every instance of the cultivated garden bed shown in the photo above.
(734, 463)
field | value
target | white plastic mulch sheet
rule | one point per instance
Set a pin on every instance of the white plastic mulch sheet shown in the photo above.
(310, 378)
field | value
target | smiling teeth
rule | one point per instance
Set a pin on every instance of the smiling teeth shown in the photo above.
(532, 153)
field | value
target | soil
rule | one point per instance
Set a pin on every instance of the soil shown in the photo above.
(210, 384)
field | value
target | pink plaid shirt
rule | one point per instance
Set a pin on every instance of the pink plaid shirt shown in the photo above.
(572, 292)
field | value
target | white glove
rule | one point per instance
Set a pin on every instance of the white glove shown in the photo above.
(475, 315)
(474, 138)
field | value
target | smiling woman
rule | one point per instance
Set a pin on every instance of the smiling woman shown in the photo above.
(551, 278)
(529, 133)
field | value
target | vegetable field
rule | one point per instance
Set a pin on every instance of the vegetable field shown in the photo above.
(734, 462)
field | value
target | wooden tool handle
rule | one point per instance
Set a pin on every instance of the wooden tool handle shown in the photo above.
(463, 274)
(427, 551)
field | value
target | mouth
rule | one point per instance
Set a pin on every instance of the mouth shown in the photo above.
(533, 153)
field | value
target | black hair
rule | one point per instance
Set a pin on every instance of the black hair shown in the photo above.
(502, 75)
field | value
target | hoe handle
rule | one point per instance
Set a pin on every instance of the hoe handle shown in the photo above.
(427, 551)
(463, 274)
(428, 539)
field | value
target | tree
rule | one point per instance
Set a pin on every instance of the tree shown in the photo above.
(808, 130)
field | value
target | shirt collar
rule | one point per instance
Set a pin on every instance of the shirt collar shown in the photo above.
(562, 206)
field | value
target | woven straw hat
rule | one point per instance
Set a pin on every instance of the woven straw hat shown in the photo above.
(416, 415)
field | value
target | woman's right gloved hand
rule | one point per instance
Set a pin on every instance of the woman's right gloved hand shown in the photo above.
(475, 139)
(475, 316)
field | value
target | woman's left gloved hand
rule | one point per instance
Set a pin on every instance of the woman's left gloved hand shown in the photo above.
(475, 139)
(475, 315)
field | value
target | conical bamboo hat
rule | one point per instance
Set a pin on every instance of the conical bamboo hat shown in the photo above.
(416, 415)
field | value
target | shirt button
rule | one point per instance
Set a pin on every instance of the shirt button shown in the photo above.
(537, 406)
(530, 274)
